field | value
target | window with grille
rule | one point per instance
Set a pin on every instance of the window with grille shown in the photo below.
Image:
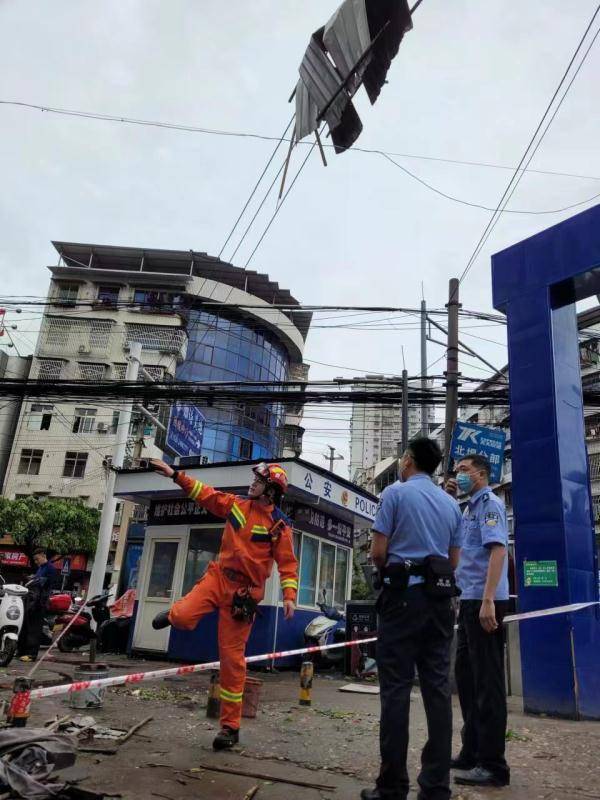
(155, 372)
(156, 337)
(57, 332)
(91, 372)
(75, 464)
(49, 369)
(595, 466)
(66, 293)
(596, 509)
(40, 417)
(99, 334)
(119, 371)
(85, 419)
(30, 462)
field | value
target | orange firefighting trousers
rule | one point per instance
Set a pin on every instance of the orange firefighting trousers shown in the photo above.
(215, 591)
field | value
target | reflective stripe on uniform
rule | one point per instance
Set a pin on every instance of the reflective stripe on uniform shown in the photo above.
(236, 517)
(260, 533)
(231, 697)
(289, 583)
(195, 490)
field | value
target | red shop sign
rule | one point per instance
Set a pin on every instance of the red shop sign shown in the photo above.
(14, 558)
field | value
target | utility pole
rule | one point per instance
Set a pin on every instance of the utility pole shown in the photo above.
(424, 387)
(404, 410)
(452, 373)
(110, 503)
(332, 457)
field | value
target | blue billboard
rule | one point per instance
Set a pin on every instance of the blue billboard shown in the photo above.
(469, 439)
(185, 430)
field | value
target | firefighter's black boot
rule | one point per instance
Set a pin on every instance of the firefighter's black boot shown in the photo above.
(225, 739)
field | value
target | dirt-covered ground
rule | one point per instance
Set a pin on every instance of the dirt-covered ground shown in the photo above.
(334, 743)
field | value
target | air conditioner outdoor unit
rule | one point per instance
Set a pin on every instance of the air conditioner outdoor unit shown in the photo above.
(102, 427)
(83, 348)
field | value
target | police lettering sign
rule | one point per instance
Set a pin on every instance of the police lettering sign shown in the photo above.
(185, 431)
(469, 439)
(312, 520)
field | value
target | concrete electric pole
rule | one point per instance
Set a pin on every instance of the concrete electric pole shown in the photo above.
(452, 373)
(424, 406)
(404, 410)
(110, 503)
(332, 457)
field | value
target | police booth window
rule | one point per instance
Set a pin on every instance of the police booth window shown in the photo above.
(323, 572)
(326, 573)
(203, 547)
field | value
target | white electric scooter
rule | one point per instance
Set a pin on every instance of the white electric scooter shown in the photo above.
(11, 619)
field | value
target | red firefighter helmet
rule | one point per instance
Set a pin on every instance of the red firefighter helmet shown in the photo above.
(272, 474)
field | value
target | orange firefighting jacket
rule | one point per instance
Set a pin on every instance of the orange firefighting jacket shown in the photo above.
(249, 545)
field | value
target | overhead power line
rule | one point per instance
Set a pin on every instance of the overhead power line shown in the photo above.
(531, 150)
(182, 127)
(471, 204)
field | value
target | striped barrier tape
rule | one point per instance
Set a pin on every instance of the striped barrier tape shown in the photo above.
(159, 674)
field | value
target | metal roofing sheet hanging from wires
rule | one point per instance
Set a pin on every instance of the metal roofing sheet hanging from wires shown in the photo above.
(322, 81)
(347, 38)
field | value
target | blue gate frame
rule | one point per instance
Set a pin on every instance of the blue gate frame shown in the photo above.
(536, 283)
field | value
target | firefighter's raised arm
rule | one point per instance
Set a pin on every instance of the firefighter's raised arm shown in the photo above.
(221, 504)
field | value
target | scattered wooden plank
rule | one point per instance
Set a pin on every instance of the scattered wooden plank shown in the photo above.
(133, 730)
(261, 776)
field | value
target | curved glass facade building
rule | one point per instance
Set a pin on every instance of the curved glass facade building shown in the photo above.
(222, 349)
(241, 327)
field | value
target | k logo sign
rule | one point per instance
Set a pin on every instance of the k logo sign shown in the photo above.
(469, 435)
(469, 439)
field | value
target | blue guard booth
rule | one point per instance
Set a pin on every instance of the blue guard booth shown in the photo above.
(536, 284)
(181, 539)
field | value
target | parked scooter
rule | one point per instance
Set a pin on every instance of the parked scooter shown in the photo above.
(11, 619)
(327, 628)
(81, 632)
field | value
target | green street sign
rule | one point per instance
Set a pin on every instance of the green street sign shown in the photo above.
(541, 573)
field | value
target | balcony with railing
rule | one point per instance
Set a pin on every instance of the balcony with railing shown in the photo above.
(166, 339)
(63, 336)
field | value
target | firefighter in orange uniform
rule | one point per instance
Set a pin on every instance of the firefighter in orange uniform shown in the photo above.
(256, 533)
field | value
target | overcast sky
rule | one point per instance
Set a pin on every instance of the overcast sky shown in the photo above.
(470, 83)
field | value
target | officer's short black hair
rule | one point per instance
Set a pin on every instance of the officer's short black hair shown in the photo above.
(426, 453)
(479, 462)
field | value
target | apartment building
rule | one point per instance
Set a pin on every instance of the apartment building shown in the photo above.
(92, 315)
(376, 430)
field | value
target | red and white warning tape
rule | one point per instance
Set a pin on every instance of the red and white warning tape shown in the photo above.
(141, 677)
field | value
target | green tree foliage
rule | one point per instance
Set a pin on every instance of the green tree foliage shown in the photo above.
(360, 588)
(61, 526)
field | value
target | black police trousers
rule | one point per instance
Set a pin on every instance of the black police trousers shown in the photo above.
(481, 688)
(414, 630)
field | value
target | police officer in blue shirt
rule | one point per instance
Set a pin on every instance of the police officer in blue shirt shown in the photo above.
(482, 576)
(416, 545)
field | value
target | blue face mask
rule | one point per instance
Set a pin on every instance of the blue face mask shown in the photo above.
(464, 482)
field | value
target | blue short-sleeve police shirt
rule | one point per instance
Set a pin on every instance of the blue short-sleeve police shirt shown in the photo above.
(484, 525)
(420, 519)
